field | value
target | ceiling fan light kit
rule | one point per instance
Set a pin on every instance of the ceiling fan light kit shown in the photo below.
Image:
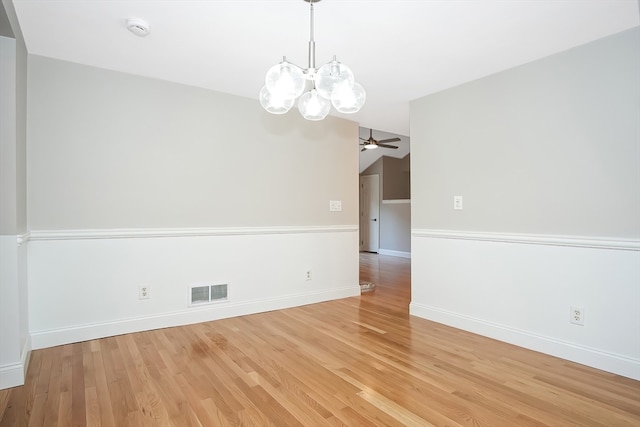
(331, 84)
(372, 144)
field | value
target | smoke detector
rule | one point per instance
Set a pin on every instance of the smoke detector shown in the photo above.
(138, 26)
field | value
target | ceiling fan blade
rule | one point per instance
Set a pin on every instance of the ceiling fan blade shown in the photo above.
(364, 139)
(364, 149)
(387, 146)
(389, 140)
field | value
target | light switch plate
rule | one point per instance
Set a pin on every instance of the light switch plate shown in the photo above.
(457, 203)
(335, 205)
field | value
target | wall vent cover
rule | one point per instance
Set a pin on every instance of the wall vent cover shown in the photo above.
(206, 294)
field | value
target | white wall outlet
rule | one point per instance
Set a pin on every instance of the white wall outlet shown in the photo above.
(144, 292)
(577, 315)
(335, 205)
(308, 275)
(457, 203)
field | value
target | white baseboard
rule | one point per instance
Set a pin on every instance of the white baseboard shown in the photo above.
(13, 375)
(50, 338)
(609, 362)
(391, 252)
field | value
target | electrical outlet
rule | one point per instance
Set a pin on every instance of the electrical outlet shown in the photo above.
(577, 315)
(308, 275)
(144, 292)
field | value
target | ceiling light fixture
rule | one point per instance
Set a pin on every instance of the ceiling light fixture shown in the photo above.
(372, 143)
(332, 84)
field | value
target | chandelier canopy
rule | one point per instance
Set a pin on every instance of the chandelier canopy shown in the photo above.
(331, 84)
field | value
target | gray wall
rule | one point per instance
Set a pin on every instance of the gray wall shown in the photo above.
(550, 147)
(8, 146)
(376, 168)
(395, 228)
(394, 177)
(547, 159)
(112, 150)
(397, 182)
(134, 181)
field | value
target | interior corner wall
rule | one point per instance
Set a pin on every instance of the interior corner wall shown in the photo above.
(375, 169)
(135, 181)
(547, 159)
(14, 335)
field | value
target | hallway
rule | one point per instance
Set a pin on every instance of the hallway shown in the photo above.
(392, 277)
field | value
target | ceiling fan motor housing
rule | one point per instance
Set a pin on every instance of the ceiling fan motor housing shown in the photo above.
(372, 143)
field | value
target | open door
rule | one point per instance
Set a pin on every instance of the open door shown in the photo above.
(370, 213)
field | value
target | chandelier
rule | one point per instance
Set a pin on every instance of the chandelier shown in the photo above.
(331, 84)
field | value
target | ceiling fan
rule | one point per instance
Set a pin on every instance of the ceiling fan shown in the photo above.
(370, 144)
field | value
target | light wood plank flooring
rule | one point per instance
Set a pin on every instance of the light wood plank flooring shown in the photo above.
(359, 361)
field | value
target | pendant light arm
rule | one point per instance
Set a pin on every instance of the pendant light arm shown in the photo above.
(312, 43)
(312, 55)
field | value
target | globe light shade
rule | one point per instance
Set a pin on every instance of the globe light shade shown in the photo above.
(285, 80)
(330, 76)
(273, 103)
(312, 106)
(370, 146)
(349, 99)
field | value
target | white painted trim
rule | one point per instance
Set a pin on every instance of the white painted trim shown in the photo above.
(26, 355)
(396, 202)
(13, 375)
(533, 239)
(391, 252)
(181, 232)
(23, 238)
(610, 362)
(54, 337)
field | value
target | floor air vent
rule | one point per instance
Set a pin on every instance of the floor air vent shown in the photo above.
(206, 294)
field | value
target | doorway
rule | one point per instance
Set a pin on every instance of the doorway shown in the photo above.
(369, 213)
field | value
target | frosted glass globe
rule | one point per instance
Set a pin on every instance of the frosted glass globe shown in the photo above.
(349, 99)
(312, 106)
(330, 75)
(285, 80)
(273, 103)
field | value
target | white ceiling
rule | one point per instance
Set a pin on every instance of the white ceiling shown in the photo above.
(399, 50)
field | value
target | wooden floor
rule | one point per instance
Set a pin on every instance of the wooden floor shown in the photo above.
(359, 361)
